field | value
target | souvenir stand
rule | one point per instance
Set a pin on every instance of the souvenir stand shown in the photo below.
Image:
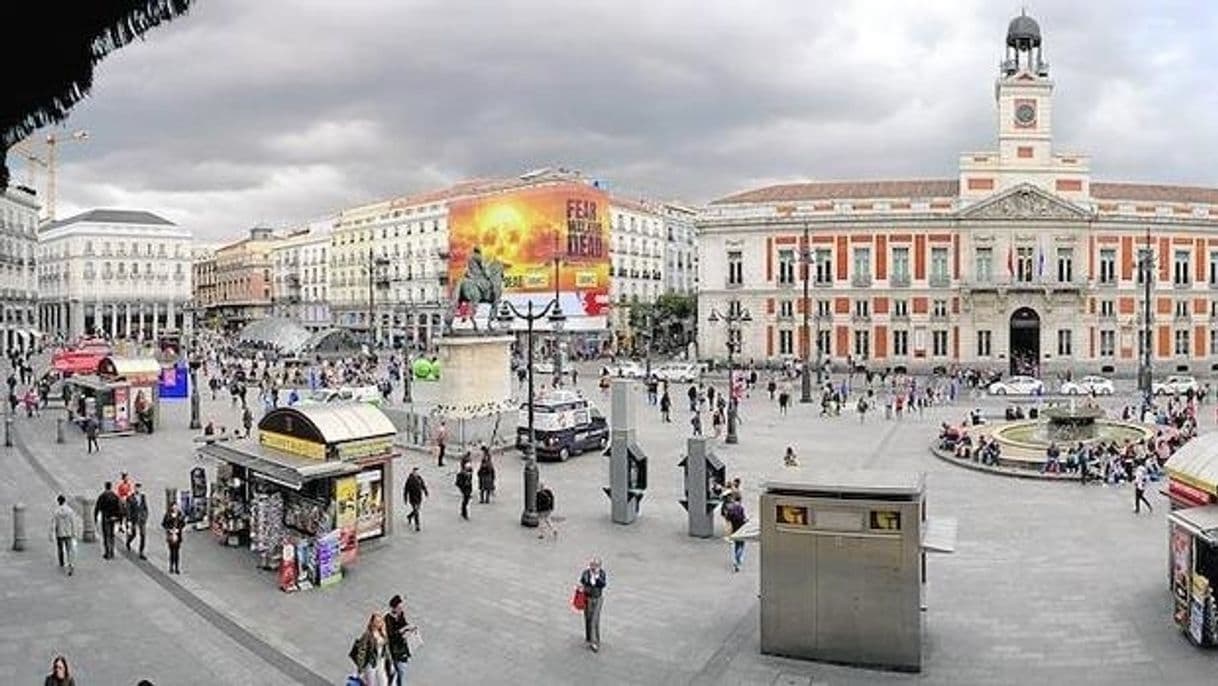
(1193, 538)
(307, 491)
(122, 395)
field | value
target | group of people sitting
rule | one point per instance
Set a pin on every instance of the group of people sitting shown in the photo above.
(960, 443)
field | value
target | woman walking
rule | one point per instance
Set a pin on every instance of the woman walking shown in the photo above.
(173, 523)
(486, 477)
(370, 653)
(593, 580)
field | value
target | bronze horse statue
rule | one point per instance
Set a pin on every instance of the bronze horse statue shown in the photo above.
(482, 283)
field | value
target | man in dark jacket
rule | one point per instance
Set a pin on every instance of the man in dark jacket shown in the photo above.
(137, 517)
(397, 627)
(465, 484)
(413, 492)
(91, 431)
(109, 509)
(733, 512)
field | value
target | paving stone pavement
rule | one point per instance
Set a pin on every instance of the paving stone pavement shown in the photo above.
(1051, 582)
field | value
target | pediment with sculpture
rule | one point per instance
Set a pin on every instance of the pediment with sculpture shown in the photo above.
(1025, 202)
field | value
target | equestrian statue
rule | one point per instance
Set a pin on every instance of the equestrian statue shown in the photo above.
(482, 283)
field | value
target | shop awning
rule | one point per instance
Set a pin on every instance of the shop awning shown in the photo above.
(1196, 463)
(329, 424)
(129, 367)
(276, 467)
(90, 382)
(1201, 522)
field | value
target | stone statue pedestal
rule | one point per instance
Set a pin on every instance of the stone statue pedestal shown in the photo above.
(475, 376)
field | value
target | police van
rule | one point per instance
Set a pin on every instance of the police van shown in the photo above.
(565, 424)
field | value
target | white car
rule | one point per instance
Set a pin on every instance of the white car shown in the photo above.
(625, 370)
(1088, 385)
(678, 372)
(1017, 385)
(1175, 385)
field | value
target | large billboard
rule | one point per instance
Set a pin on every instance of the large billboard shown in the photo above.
(526, 230)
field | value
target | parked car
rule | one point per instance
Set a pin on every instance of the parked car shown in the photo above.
(1088, 385)
(546, 366)
(1175, 385)
(1017, 385)
(625, 370)
(678, 372)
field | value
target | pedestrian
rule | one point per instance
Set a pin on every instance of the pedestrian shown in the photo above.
(397, 628)
(717, 422)
(666, 408)
(441, 442)
(370, 653)
(137, 517)
(693, 398)
(124, 489)
(733, 513)
(247, 420)
(486, 477)
(1139, 489)
(696, 422)
(413, 492)
(862, 409)
(63, 531)
(771, 386)
(60, 674)
(545, 508)
(465, 484)
(109, 510)
(91, 430)
(593, 580)
(789, 459)
(173, 523)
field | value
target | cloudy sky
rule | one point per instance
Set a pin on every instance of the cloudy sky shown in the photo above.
(278, 112)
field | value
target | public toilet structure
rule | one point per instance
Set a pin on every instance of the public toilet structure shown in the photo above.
(843, 566)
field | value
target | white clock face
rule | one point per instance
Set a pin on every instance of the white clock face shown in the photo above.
(1025, 114)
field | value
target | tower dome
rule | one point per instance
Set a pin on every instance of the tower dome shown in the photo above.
(1023, 33)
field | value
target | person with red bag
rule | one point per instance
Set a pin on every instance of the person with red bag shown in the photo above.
(592, 582)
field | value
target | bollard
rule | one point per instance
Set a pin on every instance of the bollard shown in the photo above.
(8, 431)
(19, 526)
(59, 430)
(88, 532)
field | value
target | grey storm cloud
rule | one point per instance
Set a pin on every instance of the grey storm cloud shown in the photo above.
(279, 112)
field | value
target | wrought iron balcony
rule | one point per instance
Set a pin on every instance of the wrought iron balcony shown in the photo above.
(860, 280)
(899, 280)
(939, 280)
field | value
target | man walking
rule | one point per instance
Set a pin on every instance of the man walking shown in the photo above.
(413, 492)
(593, 580)
(1139, 489)
(109, 510)
(465, 484)
(733, 512)
(91, 431)
(63, 529)
(137, 517)
(397, 628)
(665, 408)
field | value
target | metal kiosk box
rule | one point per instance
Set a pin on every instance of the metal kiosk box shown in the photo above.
(843, 568)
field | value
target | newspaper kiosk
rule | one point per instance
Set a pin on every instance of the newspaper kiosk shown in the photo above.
(843, 566)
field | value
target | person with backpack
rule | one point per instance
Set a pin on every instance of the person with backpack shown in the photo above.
(545, 508)
(734, 515)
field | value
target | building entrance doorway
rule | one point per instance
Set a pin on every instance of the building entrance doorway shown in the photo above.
(1025, 342)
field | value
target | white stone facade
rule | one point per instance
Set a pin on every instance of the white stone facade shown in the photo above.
(118, 273)
(300, 275)
(637, 240)
(19, 323)
(680, 249)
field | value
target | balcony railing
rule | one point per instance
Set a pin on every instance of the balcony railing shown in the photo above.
(899, 280)
(860, 280)
(1182, 285)
(939, 280)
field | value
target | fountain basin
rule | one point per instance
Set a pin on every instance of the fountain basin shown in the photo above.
(1035, 435)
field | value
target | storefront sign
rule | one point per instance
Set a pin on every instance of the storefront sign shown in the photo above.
(1194, 497)
(292, 445)
(367, 447)
(1196, 620)
(885, 520)
(792, 515)
(1181, 571)
(329, 568)
(122, 411)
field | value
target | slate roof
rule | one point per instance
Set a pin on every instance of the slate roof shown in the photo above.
(113, 217)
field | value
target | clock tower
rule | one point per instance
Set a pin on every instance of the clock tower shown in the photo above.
(1024, 95)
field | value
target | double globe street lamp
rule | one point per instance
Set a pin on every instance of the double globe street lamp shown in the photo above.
(733, 320)
(507, 314)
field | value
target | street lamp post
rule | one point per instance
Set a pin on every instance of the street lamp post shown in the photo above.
(193, 363)
(732, 321)
(508, 312)
(647, 342)
(376, 279)
(805, 380)
(557, 320)
(1145, 374)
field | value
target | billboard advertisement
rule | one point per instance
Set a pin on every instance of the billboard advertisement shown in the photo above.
(525, 231)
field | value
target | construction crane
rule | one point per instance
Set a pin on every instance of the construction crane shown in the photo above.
(48, 162)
